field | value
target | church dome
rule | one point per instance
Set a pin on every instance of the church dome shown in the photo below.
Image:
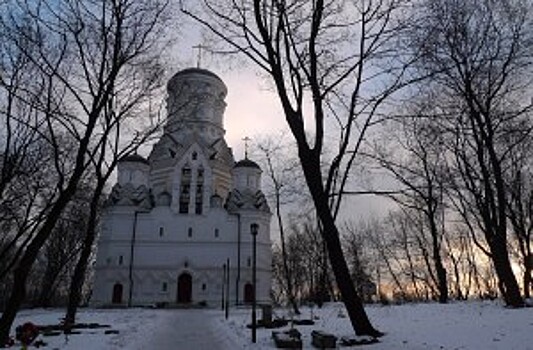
(133, 158)
(192, 75)
(201, 71)
(246, 163)
(196, 103)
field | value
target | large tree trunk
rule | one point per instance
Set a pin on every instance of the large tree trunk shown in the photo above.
(353, 303)
(507, 281)
(528, 283)
(78, 279)
(18, 293)
(351, 299)
(441, 278)
(498, 242)
(21, 272)
(30, 254)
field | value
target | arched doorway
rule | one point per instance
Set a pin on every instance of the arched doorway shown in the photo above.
(248, 293)
(184, 288)
(117, 294)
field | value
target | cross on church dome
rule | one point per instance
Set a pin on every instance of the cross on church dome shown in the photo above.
(246, 139)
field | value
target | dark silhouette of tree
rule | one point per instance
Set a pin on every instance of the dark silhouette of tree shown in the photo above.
(281, 170)
(478, 54)
(331, 67)
(520, 208)
(85, 54)
(416, 158)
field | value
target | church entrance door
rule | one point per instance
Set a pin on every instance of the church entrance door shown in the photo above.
(117, 294)
(184, 288)
(248, 293)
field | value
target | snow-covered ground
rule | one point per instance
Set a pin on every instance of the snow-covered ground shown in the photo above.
(472, 325)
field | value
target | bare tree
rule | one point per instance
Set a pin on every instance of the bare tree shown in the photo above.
(104, 159)
(63, 247)
(25, 202)
(87, 54)
(281, 170)
(416, 159)
(360, 258)
(307, 261)
(24, 155)
(478, 54)
(327, 56)
(384, 245)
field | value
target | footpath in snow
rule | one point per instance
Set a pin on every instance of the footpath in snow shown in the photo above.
(137, 329)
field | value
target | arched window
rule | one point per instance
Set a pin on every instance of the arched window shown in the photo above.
(199, 196)
(189, 232)
(216, 233)
(185, 194)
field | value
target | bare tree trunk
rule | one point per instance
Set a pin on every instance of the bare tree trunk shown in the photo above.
(528, 281)
(287, 41)
(101, 45)
(287, 272)
(354, 305)
(455, 263)
(21, 272)
(78, 278)
(442, 282)
(507, 281)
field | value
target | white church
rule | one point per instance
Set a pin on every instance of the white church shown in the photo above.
(177, 226)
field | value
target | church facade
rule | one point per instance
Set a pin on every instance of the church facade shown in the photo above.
(177, 226)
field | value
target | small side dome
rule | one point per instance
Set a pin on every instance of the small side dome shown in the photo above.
(246, 163)
(133, 158)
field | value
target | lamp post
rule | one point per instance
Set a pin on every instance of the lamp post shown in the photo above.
(132, 253)
(132, 256)
(254, 228)
(223, 286)
(227, 290)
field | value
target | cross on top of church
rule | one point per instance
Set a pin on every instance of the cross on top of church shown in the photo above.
(199, 47)
(246, 139)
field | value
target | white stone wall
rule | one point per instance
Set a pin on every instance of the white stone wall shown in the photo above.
(160, 256)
